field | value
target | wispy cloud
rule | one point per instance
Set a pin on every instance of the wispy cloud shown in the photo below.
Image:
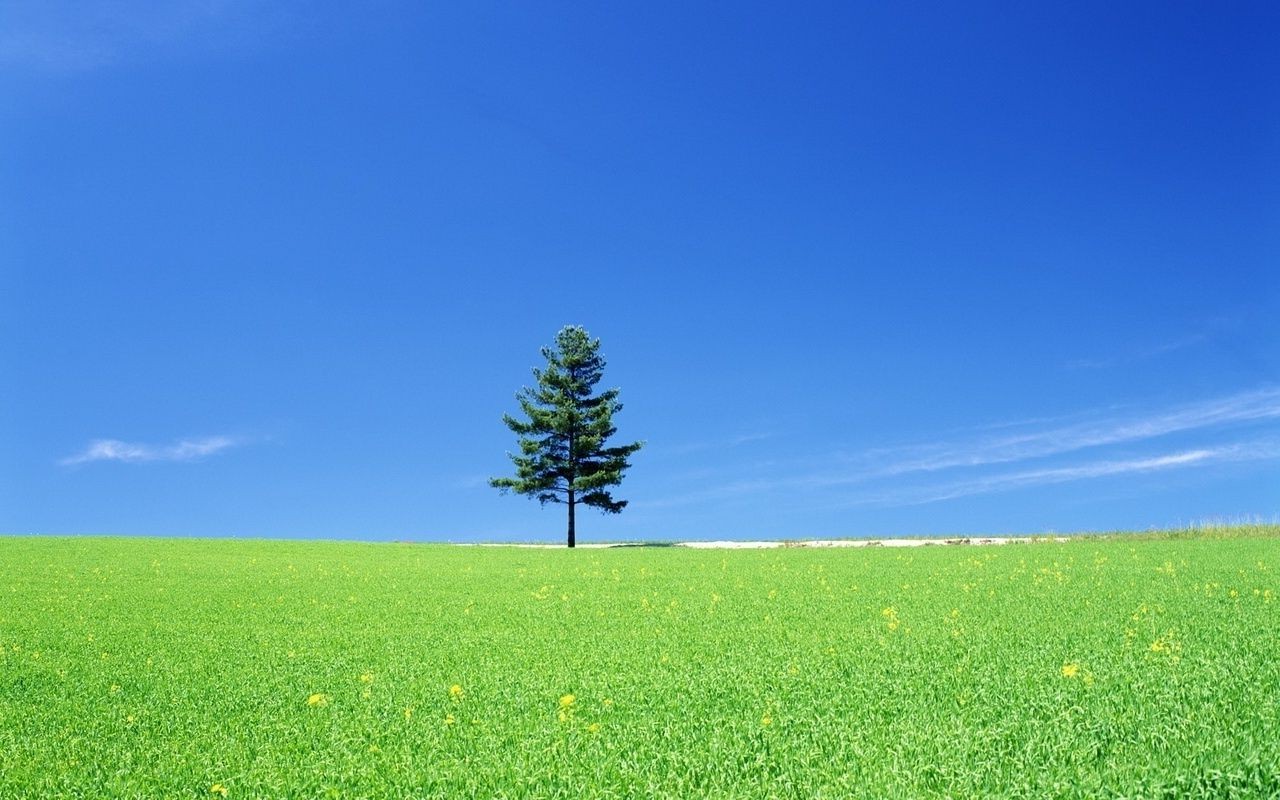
(136, 453)
(1037, 440)
(714, 444)
(1138, 353)
(1262, 449)
(471, 482)
(70, 36)
(1249, 406)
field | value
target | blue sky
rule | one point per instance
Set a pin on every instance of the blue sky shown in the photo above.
(269, 269)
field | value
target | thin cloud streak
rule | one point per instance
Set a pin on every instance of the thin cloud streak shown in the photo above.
(137, 453)
(718, 444)
(1138, 354)
(895, 462)
(1246, 451)
(76, 36)
(1244, 407)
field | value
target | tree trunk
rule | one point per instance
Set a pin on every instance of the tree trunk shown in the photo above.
(571, 518)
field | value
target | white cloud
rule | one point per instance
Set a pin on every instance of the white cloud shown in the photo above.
(1038, 439)
(1250, 406)
(79, 35)
(1246, 451)
(1138, 353)
(709, 444)
(135, 453)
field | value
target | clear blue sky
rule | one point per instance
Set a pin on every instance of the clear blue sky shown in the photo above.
(271, 269)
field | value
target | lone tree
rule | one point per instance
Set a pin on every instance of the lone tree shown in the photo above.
(562, 456)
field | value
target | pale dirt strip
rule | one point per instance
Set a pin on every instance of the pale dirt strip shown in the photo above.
(876, 542)
(762, 545)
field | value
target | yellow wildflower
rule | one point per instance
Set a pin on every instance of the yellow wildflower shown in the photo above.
(366, 677)
(891, 617)
(593, 727)
(455, 692)
(449, 719)
(408, 712)
(1070, 670)
(318, 699)
(566, 701)
(218, 789)
(766, 720)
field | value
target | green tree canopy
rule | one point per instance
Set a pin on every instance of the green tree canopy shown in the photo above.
(563, 457)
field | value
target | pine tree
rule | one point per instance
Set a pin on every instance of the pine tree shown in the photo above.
(562, 456)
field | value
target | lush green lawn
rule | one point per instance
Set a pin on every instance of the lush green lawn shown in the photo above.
(190, 668)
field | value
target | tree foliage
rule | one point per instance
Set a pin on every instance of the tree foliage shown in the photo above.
(563, 457)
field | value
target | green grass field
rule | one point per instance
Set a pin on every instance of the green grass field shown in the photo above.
(1136, 667)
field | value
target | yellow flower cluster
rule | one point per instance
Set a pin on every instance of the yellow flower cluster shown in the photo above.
(566, 707)
(1167, 645)
(1073, 670)
(891, 617)
(568, 704)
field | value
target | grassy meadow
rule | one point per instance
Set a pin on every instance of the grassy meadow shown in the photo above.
(1102, 667)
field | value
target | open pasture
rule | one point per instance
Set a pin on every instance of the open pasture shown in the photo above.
(257, 669)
